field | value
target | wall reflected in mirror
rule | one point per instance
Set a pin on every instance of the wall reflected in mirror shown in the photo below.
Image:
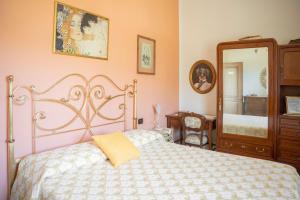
(245, 91)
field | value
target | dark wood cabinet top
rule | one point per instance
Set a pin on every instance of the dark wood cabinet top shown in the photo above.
(181, 113)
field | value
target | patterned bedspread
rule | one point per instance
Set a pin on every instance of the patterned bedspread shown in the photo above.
(170, 171)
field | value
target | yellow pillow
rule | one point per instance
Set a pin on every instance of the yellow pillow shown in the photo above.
(117, 147)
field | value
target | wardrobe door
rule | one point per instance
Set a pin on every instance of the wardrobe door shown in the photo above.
(246, 97)
(289, 65)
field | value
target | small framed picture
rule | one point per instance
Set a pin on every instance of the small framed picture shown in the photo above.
(80, 33)
(145, 55)
(292, 105)
(202, 76)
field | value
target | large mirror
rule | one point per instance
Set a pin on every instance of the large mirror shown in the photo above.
(245, 92)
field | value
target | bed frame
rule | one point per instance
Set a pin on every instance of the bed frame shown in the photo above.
(88, 111)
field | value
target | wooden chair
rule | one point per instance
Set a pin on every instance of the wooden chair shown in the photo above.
(193, 125)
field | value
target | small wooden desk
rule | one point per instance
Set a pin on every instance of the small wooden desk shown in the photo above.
(174, 121)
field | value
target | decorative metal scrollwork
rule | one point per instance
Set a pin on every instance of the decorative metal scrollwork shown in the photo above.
(98, 91)
(39, 116)
(122, 106)
(75, 94)
(90, 99)
(130, 91)
(20, 100)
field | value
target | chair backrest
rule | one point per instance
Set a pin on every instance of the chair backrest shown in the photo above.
(193, 122)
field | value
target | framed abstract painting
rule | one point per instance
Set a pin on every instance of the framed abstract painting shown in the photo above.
(145, 55)
(80, 33)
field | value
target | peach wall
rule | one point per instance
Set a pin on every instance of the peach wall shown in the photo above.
(26, 42)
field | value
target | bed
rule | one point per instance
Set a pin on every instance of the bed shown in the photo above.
(248, 125)
(163, 171)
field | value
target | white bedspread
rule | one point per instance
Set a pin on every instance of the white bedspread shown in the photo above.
(248, 125)
(171, 171)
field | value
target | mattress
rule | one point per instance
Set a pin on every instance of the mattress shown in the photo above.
(248, 125)
(164, 171)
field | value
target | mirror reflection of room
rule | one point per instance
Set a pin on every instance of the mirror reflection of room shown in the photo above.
(245, 91)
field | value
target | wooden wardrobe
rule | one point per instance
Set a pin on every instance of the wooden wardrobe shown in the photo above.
(247, 133)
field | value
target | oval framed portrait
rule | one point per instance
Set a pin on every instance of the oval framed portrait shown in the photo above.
(202, 76)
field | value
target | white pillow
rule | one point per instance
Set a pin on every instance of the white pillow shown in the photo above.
(140, 137)
(33, 169)
(62, 159)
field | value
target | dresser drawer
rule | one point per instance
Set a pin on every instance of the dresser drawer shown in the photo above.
(290, 123)
(289, 156)
(289, 152)
(259, 150)
(246, 148)
(290, 132)
(289, 145)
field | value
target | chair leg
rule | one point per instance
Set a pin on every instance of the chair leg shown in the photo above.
(201, 139)
(183, 138)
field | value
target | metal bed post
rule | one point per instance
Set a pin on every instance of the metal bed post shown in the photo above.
(11, 163)
(134, 104)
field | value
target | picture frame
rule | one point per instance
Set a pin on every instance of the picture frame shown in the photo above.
(145, 55)
(80, 33)
(202, 76)
(292, 105)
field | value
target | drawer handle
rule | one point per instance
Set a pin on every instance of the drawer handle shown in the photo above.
(243, 146)
(260, 151)
(228, 145)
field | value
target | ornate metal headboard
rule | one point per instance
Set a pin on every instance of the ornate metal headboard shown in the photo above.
(85, 102)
